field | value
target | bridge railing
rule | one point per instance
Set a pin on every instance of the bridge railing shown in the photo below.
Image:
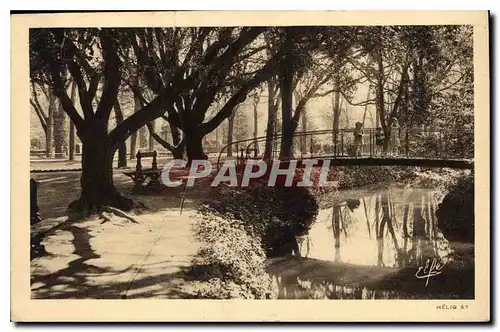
(403, 143)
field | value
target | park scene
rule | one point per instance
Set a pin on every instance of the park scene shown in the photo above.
(378, 119)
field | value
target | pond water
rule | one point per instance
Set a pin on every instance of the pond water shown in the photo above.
(370, 244)
(390, 228)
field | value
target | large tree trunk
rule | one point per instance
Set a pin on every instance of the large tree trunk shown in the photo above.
(50, 126)
(122, 150)
(336, 118)
(287, 141)
(380, 102)
(59, 130)
(194, 147)
(97, 175)
(178, 152)
(336, 111)
(271, 120)
(303, 123)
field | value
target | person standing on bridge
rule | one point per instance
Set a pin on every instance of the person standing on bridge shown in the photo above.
(358, 139)
(395, 142)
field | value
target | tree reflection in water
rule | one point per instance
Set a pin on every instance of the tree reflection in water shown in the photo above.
(390, 228)
(369, 246)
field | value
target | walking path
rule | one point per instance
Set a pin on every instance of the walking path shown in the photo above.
(116, 259)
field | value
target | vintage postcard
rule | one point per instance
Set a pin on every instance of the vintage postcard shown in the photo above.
(242, 166)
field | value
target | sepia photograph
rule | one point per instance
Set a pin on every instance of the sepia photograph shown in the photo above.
(222, 161)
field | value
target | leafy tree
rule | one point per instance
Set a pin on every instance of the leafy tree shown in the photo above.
(313, 57)
(90, 57)
(189, 68)
(185, 69)
(410, 68)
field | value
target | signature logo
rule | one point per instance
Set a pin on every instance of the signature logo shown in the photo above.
(432, 268)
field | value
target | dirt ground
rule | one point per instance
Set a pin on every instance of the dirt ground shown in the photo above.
(117, 258)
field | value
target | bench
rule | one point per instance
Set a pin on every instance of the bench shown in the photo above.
(140, 175)
(38, 153)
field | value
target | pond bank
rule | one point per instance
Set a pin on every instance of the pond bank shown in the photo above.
(377, 176)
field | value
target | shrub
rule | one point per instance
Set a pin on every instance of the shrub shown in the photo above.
(231, 262)
(456, 212)
(239, 229)
(276, 215)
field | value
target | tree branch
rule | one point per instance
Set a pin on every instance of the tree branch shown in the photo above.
(94, 83)
(240, 96)
(83, 95)
(453, 83)
(164, 143)
(221, 65)
(155, 109)
(399, 96)
(41, 116)
(60, 92)
(111, 75)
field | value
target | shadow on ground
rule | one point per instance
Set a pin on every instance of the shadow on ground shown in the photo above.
(117, 259)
